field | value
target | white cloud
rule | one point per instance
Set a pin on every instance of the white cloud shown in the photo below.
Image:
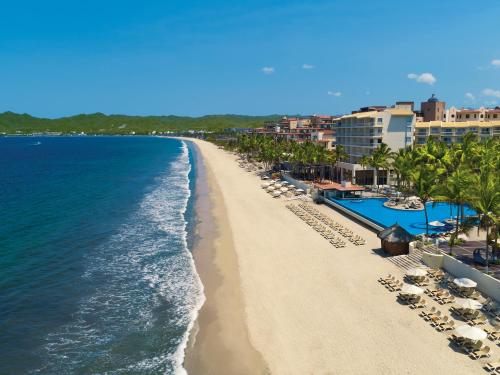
(490, 102)
(334, 93)
(491, 92)
(427, 78)
(307, 66)
(268, 70)
(470, 96)
(495, 62)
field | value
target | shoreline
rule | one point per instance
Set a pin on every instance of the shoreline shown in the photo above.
(218, 341)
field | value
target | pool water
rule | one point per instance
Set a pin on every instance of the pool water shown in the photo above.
(374, 210)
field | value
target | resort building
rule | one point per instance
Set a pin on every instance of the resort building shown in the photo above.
(466, 114)
(453, 132)
(316, 128)
(363, 131)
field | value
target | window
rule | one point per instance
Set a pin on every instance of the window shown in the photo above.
(475, 115)
(467, 116)
(379, 140)
(453, 115)
(495, 115)
(379, 120)
(482, 116)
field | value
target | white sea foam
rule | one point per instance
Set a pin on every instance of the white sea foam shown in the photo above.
(140, 270)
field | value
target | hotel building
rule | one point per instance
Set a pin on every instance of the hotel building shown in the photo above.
(453, 132)
(361, 132)
(465, 114)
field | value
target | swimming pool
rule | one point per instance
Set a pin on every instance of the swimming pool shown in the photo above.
(374, 210)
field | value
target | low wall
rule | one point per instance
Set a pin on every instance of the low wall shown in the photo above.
(297, 183)
(433, 260)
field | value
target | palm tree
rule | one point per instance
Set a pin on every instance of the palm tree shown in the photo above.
(379, 159)
(424, 179)
(455, 190)
(340, 156)
(485, 191)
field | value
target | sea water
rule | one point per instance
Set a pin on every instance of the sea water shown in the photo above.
(96, 275)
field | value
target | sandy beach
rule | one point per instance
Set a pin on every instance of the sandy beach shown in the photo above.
(282, 300)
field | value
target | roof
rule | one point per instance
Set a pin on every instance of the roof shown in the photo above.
(337, 186)
(395, 233)
(400, 112)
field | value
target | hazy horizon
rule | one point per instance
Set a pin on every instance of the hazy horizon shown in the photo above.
(192, 59)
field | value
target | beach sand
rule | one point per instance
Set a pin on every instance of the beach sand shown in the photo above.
(281, 299)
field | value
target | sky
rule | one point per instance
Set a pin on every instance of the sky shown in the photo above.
(161, 57)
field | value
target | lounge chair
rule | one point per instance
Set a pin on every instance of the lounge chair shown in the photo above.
(493, 366)
(420, 304)
(471, 346)
(435, 315)
(448, 326)
(481, 353)
(425, 313)
(481, 319)
(437, 321)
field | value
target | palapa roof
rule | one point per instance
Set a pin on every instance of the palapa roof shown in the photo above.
(395, 233)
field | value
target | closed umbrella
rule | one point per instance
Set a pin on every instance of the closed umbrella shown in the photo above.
(471, 333)
(411, 289)
(468, 303)
(465, 283)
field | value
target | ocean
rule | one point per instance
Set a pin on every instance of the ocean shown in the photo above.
(96, 273)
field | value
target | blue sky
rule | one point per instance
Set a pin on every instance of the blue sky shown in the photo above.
(60, 58)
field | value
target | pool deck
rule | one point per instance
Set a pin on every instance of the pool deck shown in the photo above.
(464, 253)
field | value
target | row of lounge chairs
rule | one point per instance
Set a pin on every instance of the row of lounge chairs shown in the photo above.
(345, 232)
(437, 320)
(321, 229)
(441, 322)
(441, 296)
(472, 317)
(491, 308)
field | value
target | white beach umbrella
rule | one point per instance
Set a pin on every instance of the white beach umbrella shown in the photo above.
(278, 185)
(284, 189)
(272, 182)
(285, 183)
(465, 283)
(270, 188)
(265, 185)
(416, 272)
(471, 333)
(411, 289)
(292, 186)
(276, 194)
(468, 303)
(299, 190)
(436, 224)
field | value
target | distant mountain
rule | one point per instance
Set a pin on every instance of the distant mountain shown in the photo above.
(99, 123)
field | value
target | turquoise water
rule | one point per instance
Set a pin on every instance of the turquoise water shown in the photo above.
(413, 221)
(95, 271)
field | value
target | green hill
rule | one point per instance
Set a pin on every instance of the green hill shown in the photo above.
(99, 123)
